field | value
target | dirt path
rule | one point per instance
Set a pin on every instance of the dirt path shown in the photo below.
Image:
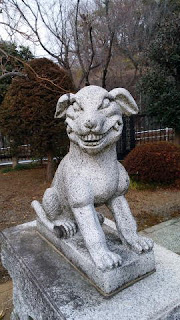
(150, 207)
(17, 190)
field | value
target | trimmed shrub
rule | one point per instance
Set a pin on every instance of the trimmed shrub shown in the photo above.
(157, 162)
(27, 111)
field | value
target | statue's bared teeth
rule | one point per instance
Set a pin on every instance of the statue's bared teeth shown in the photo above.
(92, 139)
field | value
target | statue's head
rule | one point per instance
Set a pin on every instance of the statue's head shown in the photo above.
(94, 116)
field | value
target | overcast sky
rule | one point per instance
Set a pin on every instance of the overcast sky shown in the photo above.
(35, 48)
(51, 12)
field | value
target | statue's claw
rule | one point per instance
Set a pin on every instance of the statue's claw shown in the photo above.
(65, 229)
(105, 259)
(139, 244)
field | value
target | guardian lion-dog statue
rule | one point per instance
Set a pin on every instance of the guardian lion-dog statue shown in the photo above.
(90, 175)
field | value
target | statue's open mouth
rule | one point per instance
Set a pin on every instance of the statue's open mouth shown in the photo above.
(92, 139)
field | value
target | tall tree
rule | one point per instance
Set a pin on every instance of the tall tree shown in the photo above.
(160, 85)
(12, 59)
(11, 63)
(27, 112)
(85, 37)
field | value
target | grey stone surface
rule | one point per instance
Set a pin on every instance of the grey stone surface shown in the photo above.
(162, 225)
(90, 175)
(134, 266)
(46, 286)
(166, 234)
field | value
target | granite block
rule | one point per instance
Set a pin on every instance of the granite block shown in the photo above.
(168, 237)
(133, 267)
(47, 287)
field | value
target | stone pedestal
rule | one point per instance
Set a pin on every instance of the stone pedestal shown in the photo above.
(134, 267)
(47, 287)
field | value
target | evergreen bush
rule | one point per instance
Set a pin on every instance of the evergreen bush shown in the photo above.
(157, 162)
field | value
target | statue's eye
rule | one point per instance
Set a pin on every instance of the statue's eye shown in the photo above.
(76, 107)
(105, 103)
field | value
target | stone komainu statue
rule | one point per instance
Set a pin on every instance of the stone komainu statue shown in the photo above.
(90, 175)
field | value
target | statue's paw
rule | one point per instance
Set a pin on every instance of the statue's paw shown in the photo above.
(106, 260)
(140, 244)
(65, 229)
(145, 243)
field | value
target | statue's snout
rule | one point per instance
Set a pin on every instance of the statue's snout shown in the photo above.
(90, 123)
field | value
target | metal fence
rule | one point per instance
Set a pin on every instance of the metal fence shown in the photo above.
(24, 153)
(148, 129)
(137, 129)
(140, 129)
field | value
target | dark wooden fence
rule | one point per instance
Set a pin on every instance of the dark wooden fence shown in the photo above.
(128, 139)
(137, 129)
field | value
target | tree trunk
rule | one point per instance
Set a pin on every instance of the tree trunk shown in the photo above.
(177, 137)
(14, 161)
(50, 167)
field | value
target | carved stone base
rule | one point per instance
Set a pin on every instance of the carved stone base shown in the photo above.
(134, 267)
(47, 287)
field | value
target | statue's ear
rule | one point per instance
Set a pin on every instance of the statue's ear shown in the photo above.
(63, 103)
(125, 100)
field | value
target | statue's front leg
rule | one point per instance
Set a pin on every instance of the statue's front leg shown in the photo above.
(126, 226)
(91, 230)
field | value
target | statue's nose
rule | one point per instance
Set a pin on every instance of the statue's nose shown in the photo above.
(90, 124)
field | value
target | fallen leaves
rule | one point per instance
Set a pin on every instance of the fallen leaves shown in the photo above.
(2, 314)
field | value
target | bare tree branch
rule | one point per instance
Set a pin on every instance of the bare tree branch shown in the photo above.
(12, 75)
(24, 34)
(37, 77)
(84, 36)
(108, 59)
(77, 40)
(111, 39)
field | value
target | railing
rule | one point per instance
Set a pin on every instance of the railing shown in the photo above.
(137, 129)
(24, 153)
(140, 129)
(148, 129)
